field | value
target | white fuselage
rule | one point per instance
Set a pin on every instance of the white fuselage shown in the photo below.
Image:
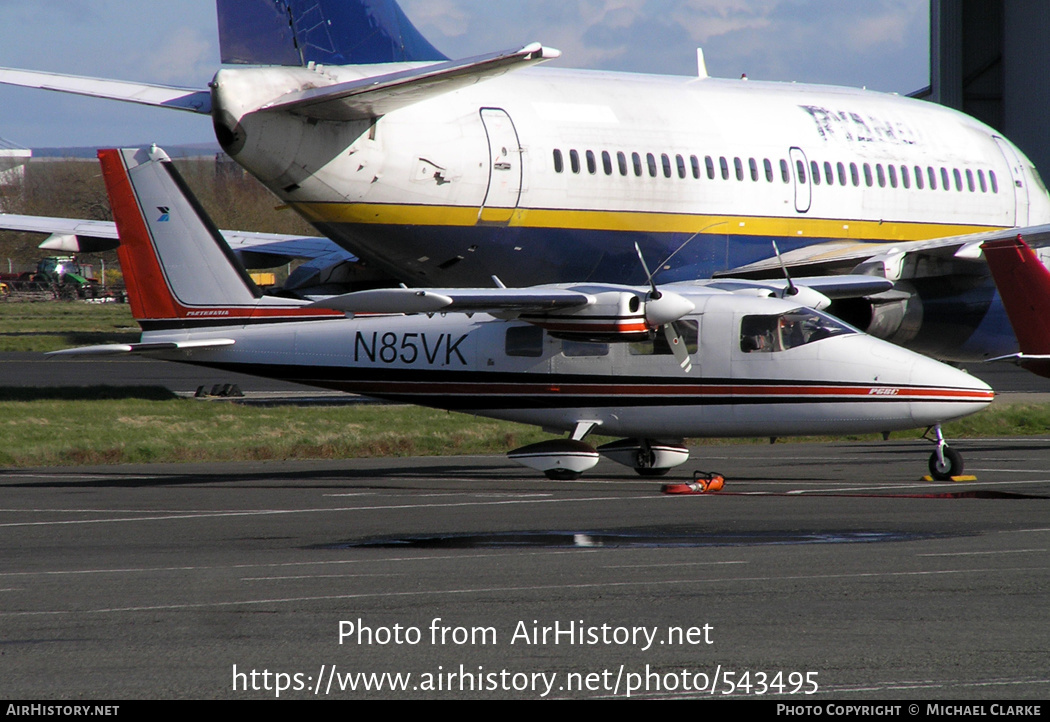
(849, 383)
(548, 175)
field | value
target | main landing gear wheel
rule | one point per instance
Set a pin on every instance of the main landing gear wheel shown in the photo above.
(951, 465)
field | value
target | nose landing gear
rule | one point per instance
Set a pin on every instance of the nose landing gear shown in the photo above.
(945, 462)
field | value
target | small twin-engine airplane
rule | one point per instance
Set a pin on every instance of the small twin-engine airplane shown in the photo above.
(651, 364)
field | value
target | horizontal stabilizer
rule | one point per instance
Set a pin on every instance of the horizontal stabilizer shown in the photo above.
(115, 349)
(163, 96)
(378, 95)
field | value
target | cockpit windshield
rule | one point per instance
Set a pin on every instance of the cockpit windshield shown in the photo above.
(769, 334)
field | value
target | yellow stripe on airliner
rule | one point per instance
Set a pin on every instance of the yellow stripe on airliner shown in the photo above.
(630, 221)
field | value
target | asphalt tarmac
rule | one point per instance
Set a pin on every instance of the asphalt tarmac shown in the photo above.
(827, 569)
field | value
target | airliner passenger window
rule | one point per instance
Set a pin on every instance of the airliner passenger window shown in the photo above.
(651, 160)
(933, 177)
(769, 170)
(854, 174)
(994, 181)
(739, 166)
(574, 161)
(829, 174)
(801, 168)
(814, 171)
(637, 160)
(868, 180)
(881, 175)
(724, 164)
(753, 165)
(710, 163)
(785, 171)
(559, 162)
(946, 183)
(918, 177)
(982, 181)
(607, 162)
(666, 162)
(905, 176)
(771, 334)
(892, 172)
(696, 166)
(524, 341)
(842, 173)
(592, 164)
(969, 180)
(681, 166)
(621, 160)
(958, 179)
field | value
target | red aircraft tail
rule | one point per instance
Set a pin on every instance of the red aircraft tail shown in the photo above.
(1024, 285)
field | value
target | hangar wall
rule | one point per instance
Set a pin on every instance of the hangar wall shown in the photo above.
(990, 59)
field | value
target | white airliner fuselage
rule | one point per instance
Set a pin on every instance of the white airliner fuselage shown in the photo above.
(573, 167)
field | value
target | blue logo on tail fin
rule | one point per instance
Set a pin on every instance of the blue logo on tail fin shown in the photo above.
(332, 32)
(165, 214)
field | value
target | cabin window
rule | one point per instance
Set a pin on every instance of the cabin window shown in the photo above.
(559, 162)
(651, 160)
(696, 166)
(918, 177)
(710, 163)
(658, 346)
(814, 172)
(842, 173)
(637, 160)
(666, 162)
(525, 341)
(969, 180)
(881, 175)
(592, 164)
(752, 164)
(982, 181)
(785, 171)
(574, 161)
(905, 177)
(800, 167)
(994, 181)
(621, 160)
(738, 165)
(769, 170)
(771, 334)
(829, 174)
(607, 162)
(724, 164)
(854, 175)
(682, 172)
(580, 349)
(933, 177)
(868, 180)
(946, 182)
(958, 179)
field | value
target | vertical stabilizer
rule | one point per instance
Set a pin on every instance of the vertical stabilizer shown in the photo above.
(331, 32)
(1024, 285)
(176, 264)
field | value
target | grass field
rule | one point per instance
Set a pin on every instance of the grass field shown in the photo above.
(54, 325)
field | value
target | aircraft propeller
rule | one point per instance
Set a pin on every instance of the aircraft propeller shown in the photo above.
(662, 310)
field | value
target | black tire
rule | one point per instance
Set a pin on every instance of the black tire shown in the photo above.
(953, 465)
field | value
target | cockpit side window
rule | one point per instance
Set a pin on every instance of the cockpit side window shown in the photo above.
(771, 334)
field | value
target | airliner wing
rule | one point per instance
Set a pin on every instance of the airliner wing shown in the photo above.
(378, 95)
(71, 235)
(163, 96)
(837, 257)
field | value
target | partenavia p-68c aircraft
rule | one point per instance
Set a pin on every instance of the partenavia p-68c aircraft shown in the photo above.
(447, 172)
(652, 364)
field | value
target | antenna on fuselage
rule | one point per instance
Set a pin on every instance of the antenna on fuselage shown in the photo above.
(791, 290)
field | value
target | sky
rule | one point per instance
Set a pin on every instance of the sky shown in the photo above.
(878, 44)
